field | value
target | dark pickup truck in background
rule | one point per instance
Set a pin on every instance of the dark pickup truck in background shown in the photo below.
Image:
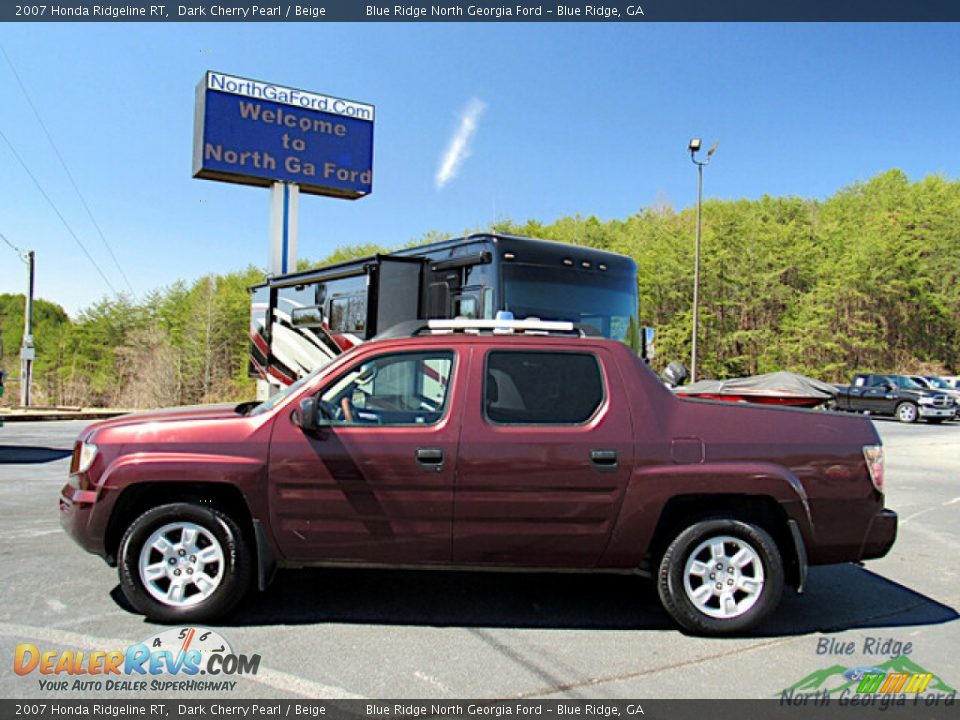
(895, 396)
(480, 450)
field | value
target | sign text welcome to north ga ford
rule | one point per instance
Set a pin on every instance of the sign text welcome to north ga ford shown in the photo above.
(255, 133)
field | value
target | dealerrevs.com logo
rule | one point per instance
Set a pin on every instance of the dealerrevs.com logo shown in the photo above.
(170, 661)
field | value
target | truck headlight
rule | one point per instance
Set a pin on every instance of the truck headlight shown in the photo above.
(84, 457)
(926, 401)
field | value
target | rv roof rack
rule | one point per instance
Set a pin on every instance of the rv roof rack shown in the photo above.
(470, 326)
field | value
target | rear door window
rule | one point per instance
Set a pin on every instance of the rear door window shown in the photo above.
(541, 388)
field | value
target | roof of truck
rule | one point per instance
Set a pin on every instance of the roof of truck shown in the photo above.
(503, 326)
(520, 341)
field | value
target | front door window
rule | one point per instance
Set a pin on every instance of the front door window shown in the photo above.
(396, 389)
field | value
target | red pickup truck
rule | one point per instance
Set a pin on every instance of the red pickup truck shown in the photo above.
(480, 450)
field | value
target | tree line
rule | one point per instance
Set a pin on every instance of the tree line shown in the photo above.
(179, 345)
(865, 280)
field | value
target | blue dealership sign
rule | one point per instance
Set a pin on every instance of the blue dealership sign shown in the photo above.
(256, 133)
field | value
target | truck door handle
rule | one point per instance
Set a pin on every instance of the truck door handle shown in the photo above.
(430, 458)
(604, 459)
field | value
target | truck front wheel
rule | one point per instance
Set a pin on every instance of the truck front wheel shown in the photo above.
(907, 412)
(721, 576)
(184, 563)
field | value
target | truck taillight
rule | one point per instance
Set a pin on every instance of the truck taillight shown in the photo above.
(873, 454)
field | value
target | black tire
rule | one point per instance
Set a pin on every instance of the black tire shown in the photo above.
(906, 412)
(232, 575)
(673, 592)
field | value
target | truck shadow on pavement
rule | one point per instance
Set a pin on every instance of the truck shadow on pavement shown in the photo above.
(840, 597)
(27, 455)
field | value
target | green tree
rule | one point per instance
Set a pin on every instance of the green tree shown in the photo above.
(867, 279)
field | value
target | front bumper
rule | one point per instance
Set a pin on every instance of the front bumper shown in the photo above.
(880, 535)
(76, 518)
(931, 411)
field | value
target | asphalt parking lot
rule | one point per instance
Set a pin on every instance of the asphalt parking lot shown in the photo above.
(393, 634)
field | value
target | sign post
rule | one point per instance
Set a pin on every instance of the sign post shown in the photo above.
(284, 223)
(289, 140)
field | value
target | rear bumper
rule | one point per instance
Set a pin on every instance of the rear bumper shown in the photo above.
(880, 535)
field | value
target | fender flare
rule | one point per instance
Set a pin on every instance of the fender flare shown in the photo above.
(172, 469)
(651, 488)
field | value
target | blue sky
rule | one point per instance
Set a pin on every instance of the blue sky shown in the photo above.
(590, 119)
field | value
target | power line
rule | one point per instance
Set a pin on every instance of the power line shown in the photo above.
(59, 215)
(17, 250)
(63, 163)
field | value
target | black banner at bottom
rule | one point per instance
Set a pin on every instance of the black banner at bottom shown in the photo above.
(810, 706)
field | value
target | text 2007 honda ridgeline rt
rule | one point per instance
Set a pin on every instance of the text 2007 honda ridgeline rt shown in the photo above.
(479, 450)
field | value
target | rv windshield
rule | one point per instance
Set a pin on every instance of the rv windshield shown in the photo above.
(608, 302)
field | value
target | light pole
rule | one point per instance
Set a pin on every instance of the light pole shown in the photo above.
(694, 148)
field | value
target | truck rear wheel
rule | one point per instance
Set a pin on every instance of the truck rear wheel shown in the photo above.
(907, 412)
(184, 563)
(721, 576)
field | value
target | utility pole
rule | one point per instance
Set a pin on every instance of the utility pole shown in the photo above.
(27, 352)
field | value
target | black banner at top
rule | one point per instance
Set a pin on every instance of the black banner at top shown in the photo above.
(483, 11)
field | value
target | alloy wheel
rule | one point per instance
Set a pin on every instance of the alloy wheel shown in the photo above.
(181, 564)
(723, 577)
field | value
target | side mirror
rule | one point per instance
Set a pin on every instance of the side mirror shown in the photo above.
(674, 374)
(306, 415)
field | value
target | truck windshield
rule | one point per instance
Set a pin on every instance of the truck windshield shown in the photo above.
(607, 302)
(938, 383)
(904, 382)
